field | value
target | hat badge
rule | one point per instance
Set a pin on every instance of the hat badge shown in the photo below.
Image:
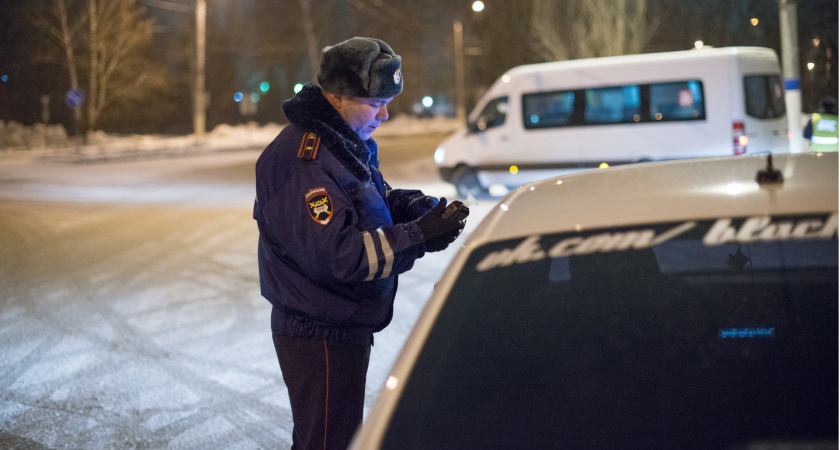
(397, 76)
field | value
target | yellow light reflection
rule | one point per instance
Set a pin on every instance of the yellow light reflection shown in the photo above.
(603, 165)
(392, 382)
(514, 169)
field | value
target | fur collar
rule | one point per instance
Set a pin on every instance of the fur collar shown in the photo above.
(312, 112)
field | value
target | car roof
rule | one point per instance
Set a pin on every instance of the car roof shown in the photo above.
(657, 192)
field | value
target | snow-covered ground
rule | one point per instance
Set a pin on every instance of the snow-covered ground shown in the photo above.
(130, 313)
(40, 139)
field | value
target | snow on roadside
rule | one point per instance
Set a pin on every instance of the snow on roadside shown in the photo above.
(15, 135)
(41, 139)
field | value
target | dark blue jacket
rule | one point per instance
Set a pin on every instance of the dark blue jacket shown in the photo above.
(329, 247)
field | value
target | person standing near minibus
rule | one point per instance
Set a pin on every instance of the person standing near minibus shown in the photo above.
(334, 236)
(822, 128)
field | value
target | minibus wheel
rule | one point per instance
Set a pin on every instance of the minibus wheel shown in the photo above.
(466, 183)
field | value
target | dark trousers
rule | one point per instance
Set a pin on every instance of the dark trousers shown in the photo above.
(326, 383)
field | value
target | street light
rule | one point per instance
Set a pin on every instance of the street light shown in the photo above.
(458, 40)
(790, 69)
(458, 30)
(199, 105)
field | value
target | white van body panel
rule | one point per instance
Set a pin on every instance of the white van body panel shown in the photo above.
(544, 152)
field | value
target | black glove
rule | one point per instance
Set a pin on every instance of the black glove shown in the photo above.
(419, 206)
(408, 205)
(441, 242)
(439, 232)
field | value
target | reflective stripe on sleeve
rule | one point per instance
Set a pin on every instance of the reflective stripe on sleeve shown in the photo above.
(373, 263)
(388, 253)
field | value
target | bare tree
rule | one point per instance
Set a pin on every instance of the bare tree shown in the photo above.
(311, 44)
(588, 28)
(54, 20)
(110, 55)
(119, 70)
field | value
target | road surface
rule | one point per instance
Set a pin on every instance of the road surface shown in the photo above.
(130, 313)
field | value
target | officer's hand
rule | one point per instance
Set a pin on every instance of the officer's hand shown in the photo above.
(420, 205)
(433, 225)
(441, 242)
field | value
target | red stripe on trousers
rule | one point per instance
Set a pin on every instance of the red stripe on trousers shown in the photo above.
(327, 396)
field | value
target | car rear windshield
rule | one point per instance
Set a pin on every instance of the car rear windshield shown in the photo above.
(701, 334)
(764, 96)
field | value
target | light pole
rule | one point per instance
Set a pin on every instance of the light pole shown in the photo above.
(460, 83)
(199, 105)
(458, 30)
(790, 72)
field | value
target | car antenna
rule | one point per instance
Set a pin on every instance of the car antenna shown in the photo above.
(769, 175)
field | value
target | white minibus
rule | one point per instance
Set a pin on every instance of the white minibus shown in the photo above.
(545, 119)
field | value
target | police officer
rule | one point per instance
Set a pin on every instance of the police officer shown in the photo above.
(334, 236)
(822, 128)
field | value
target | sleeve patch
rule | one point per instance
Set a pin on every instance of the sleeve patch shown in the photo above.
(319, 204)
(309, 146)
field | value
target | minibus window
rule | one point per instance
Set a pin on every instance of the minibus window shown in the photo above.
(764, 96)
(548, 109)
(681, 100)
(493, 115)
(618, 104)
(632, 103)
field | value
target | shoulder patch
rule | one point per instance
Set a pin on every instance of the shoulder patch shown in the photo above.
(309, 146)
(319, 204)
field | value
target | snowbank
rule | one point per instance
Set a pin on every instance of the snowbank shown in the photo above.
(15, 135)
(53, 139)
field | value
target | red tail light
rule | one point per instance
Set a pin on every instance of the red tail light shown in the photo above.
(739, 138)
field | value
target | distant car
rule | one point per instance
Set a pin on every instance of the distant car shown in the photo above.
(680, 304)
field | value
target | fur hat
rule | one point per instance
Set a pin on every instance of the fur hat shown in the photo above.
(361, 67)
